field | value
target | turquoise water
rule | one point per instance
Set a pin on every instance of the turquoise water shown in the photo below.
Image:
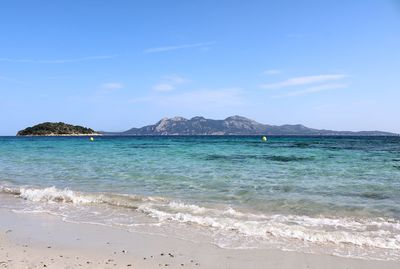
(339, 195)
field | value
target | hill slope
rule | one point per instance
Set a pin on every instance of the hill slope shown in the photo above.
(56, 129)
(234, 125)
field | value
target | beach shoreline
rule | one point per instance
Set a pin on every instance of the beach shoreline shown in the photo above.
(43, 240)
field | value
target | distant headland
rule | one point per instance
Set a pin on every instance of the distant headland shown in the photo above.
(234, 125)
(57, 129)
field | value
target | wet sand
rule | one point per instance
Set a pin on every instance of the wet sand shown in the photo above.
(45, 241)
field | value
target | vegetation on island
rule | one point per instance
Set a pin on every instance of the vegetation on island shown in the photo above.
(56, 129)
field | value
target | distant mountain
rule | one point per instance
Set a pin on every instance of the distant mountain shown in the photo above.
(56, 129)
(235, 125)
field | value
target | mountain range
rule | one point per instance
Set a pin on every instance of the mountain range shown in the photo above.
(234, 125)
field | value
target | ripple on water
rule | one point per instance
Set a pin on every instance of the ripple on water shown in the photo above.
(242, 157)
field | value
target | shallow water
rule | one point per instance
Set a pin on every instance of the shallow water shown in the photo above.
(337, 195)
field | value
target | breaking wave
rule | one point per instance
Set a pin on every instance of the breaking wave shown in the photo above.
(362, 233)
(54, 195)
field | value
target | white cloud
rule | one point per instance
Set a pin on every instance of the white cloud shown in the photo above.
(58, 61)
(112, 86)
(271, 72)
(204, 98)
(197, 99)
(7, 79)
(176, 79)
(315, 89)
(169, 83)
(163, 87)
(178, 47)
(306, 80)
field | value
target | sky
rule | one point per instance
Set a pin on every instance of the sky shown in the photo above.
(114, 65)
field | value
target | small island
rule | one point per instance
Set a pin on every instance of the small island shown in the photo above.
(57, 129)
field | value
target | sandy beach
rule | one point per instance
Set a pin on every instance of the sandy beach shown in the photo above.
(45, 241)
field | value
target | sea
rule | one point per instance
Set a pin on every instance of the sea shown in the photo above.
(327, 195)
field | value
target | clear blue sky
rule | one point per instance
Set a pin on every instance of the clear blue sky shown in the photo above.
(113, 65)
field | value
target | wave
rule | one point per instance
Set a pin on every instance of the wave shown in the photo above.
(349, 232)
(241, 157)
(301, 145)
(52, 194)
(377, 233)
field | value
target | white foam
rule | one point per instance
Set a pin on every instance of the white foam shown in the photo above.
(318, 231)
(55, 195)
(52, 194)
(347, 231)
(185, 207)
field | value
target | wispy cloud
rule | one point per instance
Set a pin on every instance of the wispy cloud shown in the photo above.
(111, 86)
(163, 87)
(196, 99)
(305, 80)
(169, 83)
(271, 72)
(205, 98)
(58, 61)
(315, 89)
(179, 47)
(7, 79)
(360, 104)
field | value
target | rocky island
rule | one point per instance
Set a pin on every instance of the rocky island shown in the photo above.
(57, 129)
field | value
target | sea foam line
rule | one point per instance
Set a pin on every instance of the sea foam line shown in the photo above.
(292, 227)
(55, 195)
(375, 233)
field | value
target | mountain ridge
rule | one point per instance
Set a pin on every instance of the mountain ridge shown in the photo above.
(233, 125)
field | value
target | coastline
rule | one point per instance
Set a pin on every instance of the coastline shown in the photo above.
(61, 135)
(43, 240)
